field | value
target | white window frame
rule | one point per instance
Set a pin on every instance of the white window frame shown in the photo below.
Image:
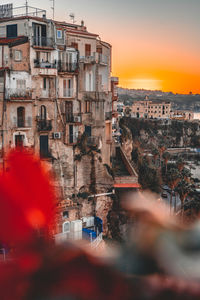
(59, 31)
(18, 55)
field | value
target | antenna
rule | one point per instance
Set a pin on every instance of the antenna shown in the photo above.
(53, 7)
(26, 4)
(72, 16)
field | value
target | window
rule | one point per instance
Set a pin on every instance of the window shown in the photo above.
(99, 50)
(44, 83)
(87, 106)
(67, 88)
(21, 116)
(21, 84)
(69, 111)
(87, 50)
(65, 214)
(74, 45)
(43, 112)
(18, 55)
(11, 31)
(59, 34)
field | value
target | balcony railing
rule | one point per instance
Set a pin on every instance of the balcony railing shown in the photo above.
(102, 59)
(18, 94)
(44, 125)
(20, 122)
(68, 93)
(88, 59)
(73, 118)
(45, 64)
(47, 94)
(94, 58)
(93, 141)
(41, 41)
(67, 67)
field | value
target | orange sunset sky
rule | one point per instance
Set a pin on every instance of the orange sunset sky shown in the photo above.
(156, 43)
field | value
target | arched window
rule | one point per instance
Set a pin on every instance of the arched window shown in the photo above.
(21, 116)
(43, 112)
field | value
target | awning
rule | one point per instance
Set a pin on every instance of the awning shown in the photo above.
(127, 185)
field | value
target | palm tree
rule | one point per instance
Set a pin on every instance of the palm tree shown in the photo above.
(161, 149)
(166, 157)
(173, 177)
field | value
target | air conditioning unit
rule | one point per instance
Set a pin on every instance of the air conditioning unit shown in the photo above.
(77, 119)
(66, 227)
(76, 226)
(56, 135)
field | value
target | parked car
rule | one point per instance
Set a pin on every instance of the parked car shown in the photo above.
(164, 195)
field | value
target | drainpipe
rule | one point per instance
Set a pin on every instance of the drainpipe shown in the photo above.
(3, 113)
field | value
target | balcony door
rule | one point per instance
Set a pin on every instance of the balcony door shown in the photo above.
(21, 116)
(44, 146)
(69, 111)
(40, 34)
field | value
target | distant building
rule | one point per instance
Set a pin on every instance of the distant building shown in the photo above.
(151, 109)
(185, 115)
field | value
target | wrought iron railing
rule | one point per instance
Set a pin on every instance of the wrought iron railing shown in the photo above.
(41, 41)
(12, 93)
(44, 125)
(67, 67)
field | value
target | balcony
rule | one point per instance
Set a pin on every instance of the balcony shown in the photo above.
(42, 42)
(15, 94)
(44, 125)
(93, 141)
(67, 67)
(90, 59)
(69, 93)
(21, 123)
(45, 68)
(47, 94)
(73, 118)
(102, 59)
(97, 58)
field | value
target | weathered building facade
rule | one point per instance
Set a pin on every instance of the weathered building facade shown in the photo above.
(151, 109)
(55, 98)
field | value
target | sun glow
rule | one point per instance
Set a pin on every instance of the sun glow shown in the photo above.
(148, 84)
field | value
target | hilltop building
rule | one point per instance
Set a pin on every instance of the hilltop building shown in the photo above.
(149, 109)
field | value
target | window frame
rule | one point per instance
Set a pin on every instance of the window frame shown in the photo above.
(59, 31)
(20, 55)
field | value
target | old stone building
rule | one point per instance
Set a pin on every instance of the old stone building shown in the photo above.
(151, 109)
(55, 98)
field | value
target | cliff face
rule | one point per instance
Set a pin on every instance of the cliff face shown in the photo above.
(81, 173)
(171, 133)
